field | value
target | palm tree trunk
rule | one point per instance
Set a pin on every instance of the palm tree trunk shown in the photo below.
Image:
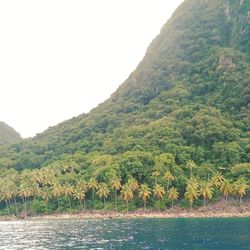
(84, 203)
(145, 206)
(115, 200)
(240, 201)
(81, 204)
(172, 204)
(204, 202)
(69, 204)
(93, 194)
(25, 204)
(127, 205)
(191, 205)
(16, 206)
(58, 203)
(23, 201)
(104, 203)
(7, 206)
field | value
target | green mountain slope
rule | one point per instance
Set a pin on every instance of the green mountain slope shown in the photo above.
(8, 135)
(187, 99)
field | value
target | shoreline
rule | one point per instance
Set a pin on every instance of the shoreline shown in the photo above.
(170, 213)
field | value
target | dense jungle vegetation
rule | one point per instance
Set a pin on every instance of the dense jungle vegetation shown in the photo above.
(178, 127)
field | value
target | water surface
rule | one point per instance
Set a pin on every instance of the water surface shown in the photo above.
(210, 233)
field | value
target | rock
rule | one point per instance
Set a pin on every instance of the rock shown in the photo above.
(24, 214)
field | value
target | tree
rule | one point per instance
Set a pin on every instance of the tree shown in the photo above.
(132, 182)
(24, 192)
(79, 194)
(191, 165)
(127, 194)
(226, 188)
(192, 191)
(46, 194)
(93, 185)
(173, 195)
(115, 183)
(240, 188)
(11, 184)
(103, 191)
(68, 191)
(5, 194)
(155, 175)
(57, 191)
(169, 177)
(217, 179)
(144, 193)
(158, 192)
(206, 191)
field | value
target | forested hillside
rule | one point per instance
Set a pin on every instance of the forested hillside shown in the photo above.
(8, 135)
(186, 106)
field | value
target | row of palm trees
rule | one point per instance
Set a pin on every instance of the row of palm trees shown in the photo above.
(51, 184)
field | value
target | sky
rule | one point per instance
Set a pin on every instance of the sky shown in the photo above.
(61, 58)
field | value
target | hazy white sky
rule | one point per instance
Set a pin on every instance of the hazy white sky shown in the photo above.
(61, 58)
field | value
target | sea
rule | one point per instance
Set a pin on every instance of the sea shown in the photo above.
(181, 233)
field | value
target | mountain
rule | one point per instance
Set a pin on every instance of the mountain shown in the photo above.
(188, 99)
(8, 135)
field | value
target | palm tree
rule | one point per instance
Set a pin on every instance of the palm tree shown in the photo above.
(6, 195)
(132, 182)
(47, 176)
(93, 185)
(226, 189)
(57, 191)
(24, 192)
(127, 193)
(191, 165)
(115, 184)
(206, 191)
(169, 177)
(240, 188)
(192, 191)
(103, 191)
(82, 187)
(144, 193)
(13, 183)
(173, 195)
(217, 179)
(14, 193)
(156, 174)
(46, 194)
(68, 191)
(79, 194)
(158, 192)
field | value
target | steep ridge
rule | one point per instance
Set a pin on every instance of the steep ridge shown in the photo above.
(8, 135)
(188, 98)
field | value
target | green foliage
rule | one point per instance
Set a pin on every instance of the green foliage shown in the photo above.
(187, 101)
(8, 135)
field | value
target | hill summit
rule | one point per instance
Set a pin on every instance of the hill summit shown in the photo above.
(188, 99)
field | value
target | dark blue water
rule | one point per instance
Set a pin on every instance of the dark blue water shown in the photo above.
(219, 234)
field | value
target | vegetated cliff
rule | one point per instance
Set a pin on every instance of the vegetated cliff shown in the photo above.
(8, 135)
(188, 98)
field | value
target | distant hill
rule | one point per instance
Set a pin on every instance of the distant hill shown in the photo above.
(188, 98)
(8, 135)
